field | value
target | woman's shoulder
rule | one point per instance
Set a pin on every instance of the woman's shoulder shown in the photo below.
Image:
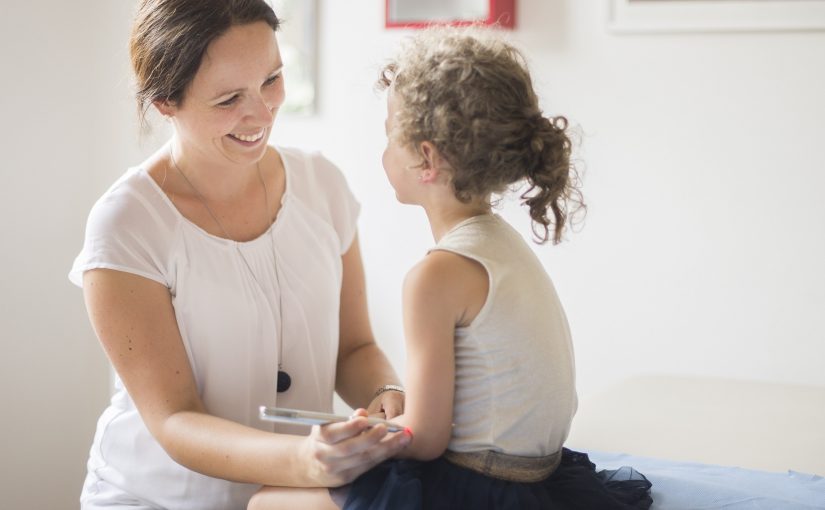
(133, 203)
(129, 229)
(311, 170)
(299, 155)
(321, 188)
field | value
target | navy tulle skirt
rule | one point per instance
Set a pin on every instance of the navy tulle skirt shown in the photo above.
(439, 484)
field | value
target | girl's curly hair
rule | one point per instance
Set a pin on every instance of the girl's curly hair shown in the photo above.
(469, 93)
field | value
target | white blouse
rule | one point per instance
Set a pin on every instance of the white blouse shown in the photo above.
(228, 317)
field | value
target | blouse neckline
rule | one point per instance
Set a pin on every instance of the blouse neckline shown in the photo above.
(143, 172)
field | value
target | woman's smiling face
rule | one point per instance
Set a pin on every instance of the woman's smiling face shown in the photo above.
(228, 109)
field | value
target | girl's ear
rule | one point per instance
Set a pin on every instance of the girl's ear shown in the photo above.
(433, 162)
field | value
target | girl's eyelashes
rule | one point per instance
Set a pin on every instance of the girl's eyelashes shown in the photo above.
(272, 79)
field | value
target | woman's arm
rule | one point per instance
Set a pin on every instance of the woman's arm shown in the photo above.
(442, 291)
(362, 366)
(135, 322)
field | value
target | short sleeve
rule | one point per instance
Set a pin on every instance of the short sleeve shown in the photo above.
(124, 232)
(341, 202)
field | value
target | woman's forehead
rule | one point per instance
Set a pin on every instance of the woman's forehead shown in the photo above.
(244, 51)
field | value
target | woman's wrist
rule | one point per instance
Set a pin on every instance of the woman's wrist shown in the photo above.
(388, 387)
(293, 464)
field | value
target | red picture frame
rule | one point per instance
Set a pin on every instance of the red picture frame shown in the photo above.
(501, 13)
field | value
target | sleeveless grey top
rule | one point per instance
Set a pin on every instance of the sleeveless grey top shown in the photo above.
(515, 375)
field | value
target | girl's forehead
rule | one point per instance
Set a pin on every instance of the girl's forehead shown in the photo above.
(394, 101)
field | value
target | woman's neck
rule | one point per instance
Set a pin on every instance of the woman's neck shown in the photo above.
(219, 181)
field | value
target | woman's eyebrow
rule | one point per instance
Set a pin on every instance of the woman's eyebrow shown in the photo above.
(277, 69)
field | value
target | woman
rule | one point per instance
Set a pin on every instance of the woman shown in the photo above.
(223, 274)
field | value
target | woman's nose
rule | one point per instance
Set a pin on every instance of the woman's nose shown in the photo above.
(262, 111)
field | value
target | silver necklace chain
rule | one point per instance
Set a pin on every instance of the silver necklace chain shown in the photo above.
(269, 222)
(206, 204)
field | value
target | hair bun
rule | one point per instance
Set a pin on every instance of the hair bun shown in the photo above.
(537, 143)
(539, 126)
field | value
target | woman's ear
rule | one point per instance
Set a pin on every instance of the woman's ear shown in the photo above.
(164, 107)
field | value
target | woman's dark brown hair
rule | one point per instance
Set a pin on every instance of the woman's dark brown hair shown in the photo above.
(170, 37)
(469, 93)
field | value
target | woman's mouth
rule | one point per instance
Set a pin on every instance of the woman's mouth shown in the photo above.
(248, 139)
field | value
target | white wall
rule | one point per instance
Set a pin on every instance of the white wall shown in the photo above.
(67, 129)
(700, 255)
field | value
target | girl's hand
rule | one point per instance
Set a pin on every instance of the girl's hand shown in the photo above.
(340, 452)
(389, 404)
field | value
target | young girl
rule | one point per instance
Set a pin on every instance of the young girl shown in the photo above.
(490, 389)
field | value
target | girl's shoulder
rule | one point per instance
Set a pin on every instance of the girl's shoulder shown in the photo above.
(441, 267)
(448, 282)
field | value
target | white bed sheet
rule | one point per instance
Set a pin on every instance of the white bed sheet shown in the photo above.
(694, 486)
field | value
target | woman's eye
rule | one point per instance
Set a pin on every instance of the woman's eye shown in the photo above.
(228, 102)
(272, 79)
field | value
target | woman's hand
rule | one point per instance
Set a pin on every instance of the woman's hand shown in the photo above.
(388, 404)
(340, 452)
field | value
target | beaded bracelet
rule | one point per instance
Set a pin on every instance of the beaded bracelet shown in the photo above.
(388, 387)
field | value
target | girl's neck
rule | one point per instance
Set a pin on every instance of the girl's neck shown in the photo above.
(442, 219)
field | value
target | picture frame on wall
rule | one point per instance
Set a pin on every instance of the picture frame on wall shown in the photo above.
(298, 42)
(423, 13)
(651, 16)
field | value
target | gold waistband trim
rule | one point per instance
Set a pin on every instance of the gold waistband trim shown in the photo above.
(513, 468)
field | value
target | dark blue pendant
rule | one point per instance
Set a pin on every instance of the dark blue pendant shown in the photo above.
(284, 381)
